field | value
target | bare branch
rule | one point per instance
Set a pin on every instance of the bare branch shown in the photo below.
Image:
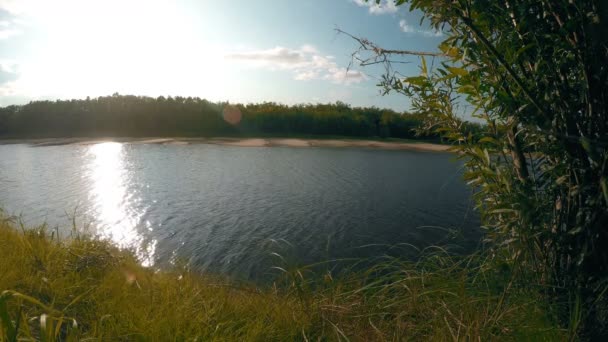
(367, 45)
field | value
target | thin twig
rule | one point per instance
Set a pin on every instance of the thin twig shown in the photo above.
(369, 46)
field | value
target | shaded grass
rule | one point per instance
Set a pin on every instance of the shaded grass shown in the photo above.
(82, 288)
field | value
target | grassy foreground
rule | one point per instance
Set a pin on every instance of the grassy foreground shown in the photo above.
(81, 288)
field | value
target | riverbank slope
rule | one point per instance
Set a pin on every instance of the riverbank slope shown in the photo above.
(86, 288)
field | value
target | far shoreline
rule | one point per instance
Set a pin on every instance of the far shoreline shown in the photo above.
(345, 142)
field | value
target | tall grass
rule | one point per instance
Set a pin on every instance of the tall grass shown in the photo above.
(85, 289)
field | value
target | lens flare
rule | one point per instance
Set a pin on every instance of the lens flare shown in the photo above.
(232, 115)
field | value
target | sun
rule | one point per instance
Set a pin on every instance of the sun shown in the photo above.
(131, 47)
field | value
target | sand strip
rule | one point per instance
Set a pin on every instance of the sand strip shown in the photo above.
(241, 142)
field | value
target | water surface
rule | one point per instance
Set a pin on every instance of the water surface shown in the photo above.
(226, 209)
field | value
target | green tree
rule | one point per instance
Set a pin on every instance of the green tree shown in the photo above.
(128, 115)
(536, 73)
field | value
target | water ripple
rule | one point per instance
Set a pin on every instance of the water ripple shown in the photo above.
(220, 207)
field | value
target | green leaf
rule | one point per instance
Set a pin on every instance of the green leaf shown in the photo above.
(604, 185)
(524, 49)
(487, 155)
(467, 89)
(424, 68)
(5, 319)
(488, 140)
(448, 50)
(458, 71)
(416, 80)
(503, 211)
(586, 144)
(576, 230)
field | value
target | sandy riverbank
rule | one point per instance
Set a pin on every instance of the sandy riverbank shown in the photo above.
(242, 142)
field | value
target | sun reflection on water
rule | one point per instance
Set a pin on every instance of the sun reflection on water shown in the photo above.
(114, 204)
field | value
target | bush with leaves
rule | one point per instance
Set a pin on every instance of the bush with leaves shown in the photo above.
(535, 72)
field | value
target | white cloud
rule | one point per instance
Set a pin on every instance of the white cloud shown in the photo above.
(9, 27)
(7, 33)
(309, 49)
(306, 63)
(8, 66)
(407, 28)
(280, 57)
(306, 75)
(28, 7)
(8, 89)
(342, 75)
(8, 75)
(383, 7)
(11, 6)
(9, 71)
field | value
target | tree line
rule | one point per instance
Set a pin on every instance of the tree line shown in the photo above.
(128, 115)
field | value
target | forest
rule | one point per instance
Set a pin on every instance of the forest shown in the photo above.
(136, 116)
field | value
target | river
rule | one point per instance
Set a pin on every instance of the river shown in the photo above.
(227, 209)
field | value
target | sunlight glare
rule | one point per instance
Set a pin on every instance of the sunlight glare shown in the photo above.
(98, 48)
(113, 203)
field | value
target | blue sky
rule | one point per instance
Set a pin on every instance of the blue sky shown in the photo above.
(240, 51)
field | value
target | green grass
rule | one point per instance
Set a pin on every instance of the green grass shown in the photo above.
(82, 288)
